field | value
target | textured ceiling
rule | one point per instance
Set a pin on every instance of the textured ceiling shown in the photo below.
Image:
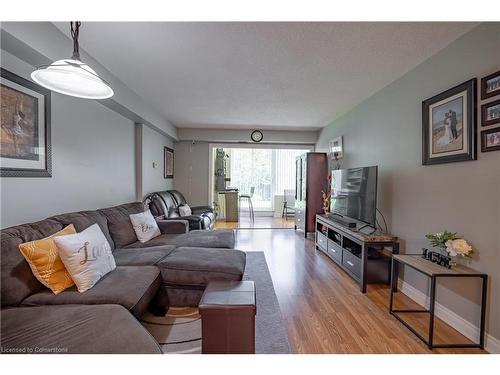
(265, 75)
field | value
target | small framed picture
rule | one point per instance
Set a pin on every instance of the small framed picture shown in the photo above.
(168, 163)
(490, 140)
(490, 113)
(337, 148)
(449, 125)
(490, 85)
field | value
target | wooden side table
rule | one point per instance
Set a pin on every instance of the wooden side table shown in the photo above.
(434, 271)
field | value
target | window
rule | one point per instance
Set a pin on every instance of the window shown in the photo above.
(269, 171)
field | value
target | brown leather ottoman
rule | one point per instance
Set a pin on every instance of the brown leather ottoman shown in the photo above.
(227, 310)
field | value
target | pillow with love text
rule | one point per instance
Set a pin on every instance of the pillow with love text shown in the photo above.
(86, 255)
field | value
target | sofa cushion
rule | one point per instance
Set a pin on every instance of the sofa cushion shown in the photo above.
(179, 198)
(170, 205)
(161, 240)
(195, 266)
(17, 280)
(156, 205)
(132, 287)
(147, 256)
(223, 238)
(101, 329)
(120, 227)
(173, 212)
(196, 238)
(84, 219)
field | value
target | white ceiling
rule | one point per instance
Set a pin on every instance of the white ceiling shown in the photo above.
(260, 75)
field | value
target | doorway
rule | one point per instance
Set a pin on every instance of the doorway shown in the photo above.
(252, 184)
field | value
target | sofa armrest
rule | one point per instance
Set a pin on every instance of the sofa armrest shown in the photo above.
(173, 226)
(201, 209)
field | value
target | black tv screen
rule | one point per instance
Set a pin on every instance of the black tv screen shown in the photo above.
(354, 193)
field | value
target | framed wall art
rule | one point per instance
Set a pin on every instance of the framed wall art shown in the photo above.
(337, 148)
(490, 85)
(449, 125)
(490, 113)
(168, 162)
(490, 140)
(25, 148)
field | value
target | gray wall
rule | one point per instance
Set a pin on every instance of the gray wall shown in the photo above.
(92, 160)
(152, 152)
(464, 197)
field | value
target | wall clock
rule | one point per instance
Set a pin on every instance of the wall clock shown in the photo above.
(257, 136)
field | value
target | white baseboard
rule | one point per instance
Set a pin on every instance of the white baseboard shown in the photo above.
(466, 328)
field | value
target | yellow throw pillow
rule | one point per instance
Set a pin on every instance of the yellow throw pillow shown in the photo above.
(43, 258)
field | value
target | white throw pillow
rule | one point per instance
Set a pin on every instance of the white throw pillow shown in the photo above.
(145, 226)
(86, 255)
(185, 210)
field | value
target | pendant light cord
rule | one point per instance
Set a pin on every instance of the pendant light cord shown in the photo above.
(75, 31)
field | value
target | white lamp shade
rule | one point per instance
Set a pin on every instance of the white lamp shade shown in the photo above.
(74, 78)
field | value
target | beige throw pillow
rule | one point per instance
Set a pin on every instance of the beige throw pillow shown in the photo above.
(86, 255)
(145, 226)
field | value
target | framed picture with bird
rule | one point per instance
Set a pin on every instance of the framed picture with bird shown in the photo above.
(25, 148)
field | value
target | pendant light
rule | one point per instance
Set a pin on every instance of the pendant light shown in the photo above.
(71, 76)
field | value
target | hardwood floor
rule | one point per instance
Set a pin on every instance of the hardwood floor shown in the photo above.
(324, 309)
(260, 222)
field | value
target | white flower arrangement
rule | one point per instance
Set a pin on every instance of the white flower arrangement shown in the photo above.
(458, 247)
(452, 243)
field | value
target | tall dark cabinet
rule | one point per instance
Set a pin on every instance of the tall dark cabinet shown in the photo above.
(311, 171)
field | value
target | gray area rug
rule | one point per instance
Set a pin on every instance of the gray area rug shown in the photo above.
(270, 335)
(179, 331)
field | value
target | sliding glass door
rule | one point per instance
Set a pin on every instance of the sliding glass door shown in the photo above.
(269, 171)
(252, 168)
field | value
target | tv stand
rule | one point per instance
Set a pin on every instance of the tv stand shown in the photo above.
(364, 257)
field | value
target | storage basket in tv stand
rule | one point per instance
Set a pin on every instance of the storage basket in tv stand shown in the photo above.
(351, 250)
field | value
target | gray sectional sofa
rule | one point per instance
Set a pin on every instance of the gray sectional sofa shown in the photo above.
(171, 269)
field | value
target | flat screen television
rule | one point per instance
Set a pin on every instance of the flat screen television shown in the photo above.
(354, 194)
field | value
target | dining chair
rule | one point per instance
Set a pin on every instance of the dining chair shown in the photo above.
(249, 198)
(288, 203)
